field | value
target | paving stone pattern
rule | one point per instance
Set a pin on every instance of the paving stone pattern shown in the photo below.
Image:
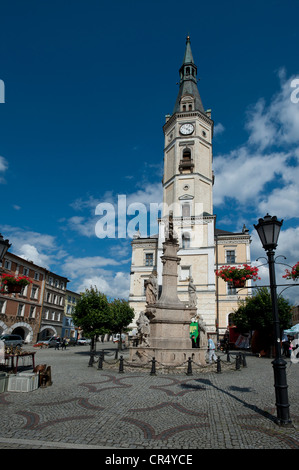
(93, 408)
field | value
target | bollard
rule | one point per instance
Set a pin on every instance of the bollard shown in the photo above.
(244, 360)
(218, 365)
(237, 362)
(121, 364)
(91, 359)
(189, 370)
(153, 370)
(101, 357)
(116, 354)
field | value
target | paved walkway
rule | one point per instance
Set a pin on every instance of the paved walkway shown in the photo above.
(93, 408)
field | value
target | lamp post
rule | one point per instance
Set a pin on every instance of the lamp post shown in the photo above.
(4, 245)
(268, 230)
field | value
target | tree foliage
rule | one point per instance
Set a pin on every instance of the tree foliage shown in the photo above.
(122, 315)
(96, 315)
(255, 313)
(92, 313)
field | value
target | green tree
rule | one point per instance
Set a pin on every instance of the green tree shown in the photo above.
(122, 315)
(93, 314)
(255, 313)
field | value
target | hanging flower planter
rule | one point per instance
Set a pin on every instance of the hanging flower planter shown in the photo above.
(14, 288)
(13, 284)
(293, 273)
(238, 275)
(239, 282)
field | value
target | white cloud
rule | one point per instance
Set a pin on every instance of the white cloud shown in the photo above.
(218, 129)
(3, 168)
(243, 175)
(113, 285)
(83, 267)
(30, 253)
(40, 248)
(277, 123)
(263, 173)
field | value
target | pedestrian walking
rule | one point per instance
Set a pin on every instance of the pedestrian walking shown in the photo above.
(57, 344)
(211, 350)
(63, 344)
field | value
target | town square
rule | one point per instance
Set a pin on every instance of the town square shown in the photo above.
(149, 230)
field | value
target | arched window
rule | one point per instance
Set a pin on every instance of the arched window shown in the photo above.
(186, 154)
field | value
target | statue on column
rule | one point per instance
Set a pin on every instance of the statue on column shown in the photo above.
(203, 339)
(143, 327)
(170, 234)
(192, 294)
(151, 289)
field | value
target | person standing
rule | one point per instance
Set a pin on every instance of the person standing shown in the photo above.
(57, 344)
(211, 350)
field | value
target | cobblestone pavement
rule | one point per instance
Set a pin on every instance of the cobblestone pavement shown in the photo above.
(91, 408)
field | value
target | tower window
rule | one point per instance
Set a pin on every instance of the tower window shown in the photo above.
(149, 259)
(185, 240)
(186, 210)
(187, 154)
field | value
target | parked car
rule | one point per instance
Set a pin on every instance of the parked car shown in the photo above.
(12, 340)
(84, 341)
(50, 342)
(115, 338)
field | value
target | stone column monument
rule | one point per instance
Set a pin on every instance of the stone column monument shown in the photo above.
(169, 318)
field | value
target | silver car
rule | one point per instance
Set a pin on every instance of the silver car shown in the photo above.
(12, 340)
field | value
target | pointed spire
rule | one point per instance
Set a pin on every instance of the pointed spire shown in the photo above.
(188, 57)
(188, 81)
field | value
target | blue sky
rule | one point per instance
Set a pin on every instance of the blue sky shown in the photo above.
(87, 87)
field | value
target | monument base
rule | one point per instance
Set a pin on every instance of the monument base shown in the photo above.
(167, 357)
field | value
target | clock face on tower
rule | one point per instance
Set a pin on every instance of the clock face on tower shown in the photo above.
(186, 129)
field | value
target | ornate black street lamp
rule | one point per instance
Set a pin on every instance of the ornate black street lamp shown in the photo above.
(268, 230)
(4, 245)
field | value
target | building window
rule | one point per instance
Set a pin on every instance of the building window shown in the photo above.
(7, 264)
(36, 276)
(24, 291)
(186, 210)
(25, 271)
(186, 154)
(2, 306)
(230, 256)
(186, 240)
(32, 312)
(51, 281)
(185, 273)
(21, 310)
(231, 290)
(34, 292)
(149, 259)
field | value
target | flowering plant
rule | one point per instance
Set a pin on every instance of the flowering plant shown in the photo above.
(293, 274)
(238, 275)
(10, 280)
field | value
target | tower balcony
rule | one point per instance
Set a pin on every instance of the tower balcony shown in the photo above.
(186, 165)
